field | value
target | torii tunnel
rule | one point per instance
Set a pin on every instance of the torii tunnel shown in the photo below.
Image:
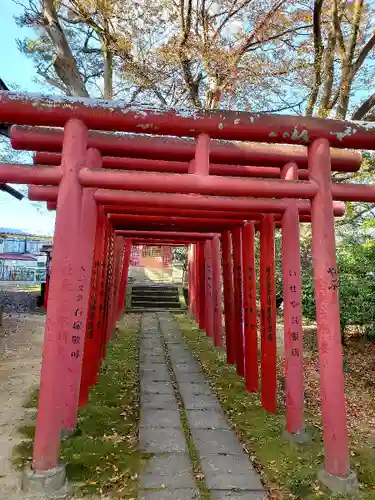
(198, 184)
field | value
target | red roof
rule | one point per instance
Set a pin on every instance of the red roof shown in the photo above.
(17, 256)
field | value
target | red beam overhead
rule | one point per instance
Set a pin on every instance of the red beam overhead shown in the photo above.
(172, 167)
(27, 174)
(152, 148)
(198, 184)
(176, 221)
(30, 109)
(187, 235)
(143, 204)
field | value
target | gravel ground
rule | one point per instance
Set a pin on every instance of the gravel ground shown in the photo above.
(19, 301)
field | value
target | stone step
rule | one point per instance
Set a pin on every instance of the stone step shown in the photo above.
(149, 293)
(156, 298)
(160, 304)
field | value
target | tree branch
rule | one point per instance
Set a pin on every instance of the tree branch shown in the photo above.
(364, 108)
(63, 61)
(367, 48)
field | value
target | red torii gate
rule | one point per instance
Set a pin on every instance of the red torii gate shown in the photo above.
(95, 218)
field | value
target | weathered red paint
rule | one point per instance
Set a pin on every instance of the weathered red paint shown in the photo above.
(61, 302)
(250, 309)
(134, 146)
(216, 291)
(208, 295)
(268, 313)
(335, 434)
(84, 254)
(227, 266)
(24, 109)
(292, 295)
(238, 300)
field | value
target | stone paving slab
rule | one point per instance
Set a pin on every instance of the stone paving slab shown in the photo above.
(186, 368)
(189, 494)
(156, 387)
(189, 377)
(159, 369)
(151, 417)
(200, 402)
(153, 440)
(190, 388)
(216, 441)
(238, 495)
(172, 470)
(227, 472)
(159, 401)
(155, 376)
(151, 364)
(151, 358)
(207, 419)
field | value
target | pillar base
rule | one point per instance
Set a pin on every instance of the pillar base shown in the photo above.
(299, 437)
(51, 484)
(347, 485)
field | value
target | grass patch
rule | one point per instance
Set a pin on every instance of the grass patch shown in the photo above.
(288, 470)
(104, 457)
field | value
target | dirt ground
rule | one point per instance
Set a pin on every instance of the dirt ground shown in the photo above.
(19, 375)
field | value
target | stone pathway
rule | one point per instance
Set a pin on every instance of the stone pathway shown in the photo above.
(180, 417)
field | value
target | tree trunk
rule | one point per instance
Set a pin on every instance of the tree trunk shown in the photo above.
(63, 60)
(108, 70)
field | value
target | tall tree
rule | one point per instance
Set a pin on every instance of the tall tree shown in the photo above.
(344, 42)
(232, 53)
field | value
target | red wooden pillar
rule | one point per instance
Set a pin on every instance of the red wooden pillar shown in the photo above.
(197, 282)
(292, 296)
(250, 309)
(202, 287)
(238, 299)
(100, 313)
(227, 266)
(268, 313)
(124, 275)
(85, 254)
(335, 434)
(191, 280)
(92, 331)
(59, 331)
(209, 298)
(216, 291)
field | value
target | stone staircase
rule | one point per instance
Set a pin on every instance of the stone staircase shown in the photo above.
(154, 297)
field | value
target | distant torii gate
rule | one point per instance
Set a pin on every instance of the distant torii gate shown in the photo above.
(210, 195)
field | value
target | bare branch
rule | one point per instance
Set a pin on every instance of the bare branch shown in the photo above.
(367, 48)
(365, 107)
(318, 55)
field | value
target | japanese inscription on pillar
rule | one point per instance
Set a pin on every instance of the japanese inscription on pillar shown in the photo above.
(294, 311)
